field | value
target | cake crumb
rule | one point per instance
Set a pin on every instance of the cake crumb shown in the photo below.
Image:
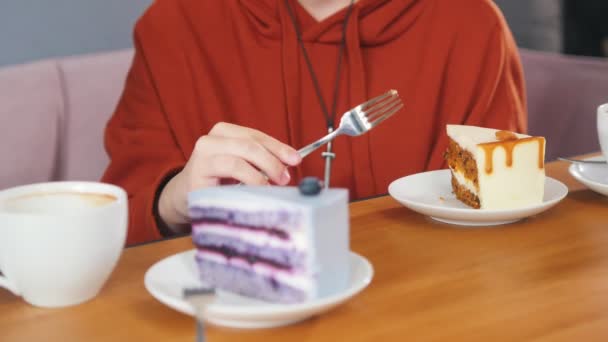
(441, 199)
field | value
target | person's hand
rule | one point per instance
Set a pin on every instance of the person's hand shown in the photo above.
(227, 152)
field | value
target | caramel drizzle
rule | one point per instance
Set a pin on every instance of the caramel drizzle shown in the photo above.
(509, 145)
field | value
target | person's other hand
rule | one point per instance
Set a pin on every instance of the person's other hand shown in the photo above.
(227, 152)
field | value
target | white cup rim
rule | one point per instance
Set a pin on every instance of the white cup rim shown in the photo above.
(603, 108)
(71, 186)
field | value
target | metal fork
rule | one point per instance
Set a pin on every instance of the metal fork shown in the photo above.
(358, 121)
(361, 119)
(199, 298)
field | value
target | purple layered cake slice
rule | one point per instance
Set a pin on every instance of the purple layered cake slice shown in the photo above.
(271, 243)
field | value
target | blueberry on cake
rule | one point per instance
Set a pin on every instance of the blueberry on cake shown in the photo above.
(272, 243)
(493, 169)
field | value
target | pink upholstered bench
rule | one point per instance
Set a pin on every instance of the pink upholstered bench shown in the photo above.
(53, 114)
(563, 95)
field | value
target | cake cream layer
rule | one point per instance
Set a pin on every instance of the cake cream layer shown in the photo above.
(260, 216)
(510, 167)
(260, 238)
(298, 280)
(465, 182)
(248, 283)
(234, 245)
(464, 195)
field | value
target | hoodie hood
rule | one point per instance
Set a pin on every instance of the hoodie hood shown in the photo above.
(372, 23)
(378, 21)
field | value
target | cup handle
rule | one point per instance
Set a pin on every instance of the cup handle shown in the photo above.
(7, 284)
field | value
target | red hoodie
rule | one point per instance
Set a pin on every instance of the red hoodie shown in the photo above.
(201, 62)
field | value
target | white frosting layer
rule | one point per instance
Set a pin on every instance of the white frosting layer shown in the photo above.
(302, 281)
(468, 137)
(517, 186)
(506, 187)
(261, 213)
(233, 205)
(467, 183)
(297, 239)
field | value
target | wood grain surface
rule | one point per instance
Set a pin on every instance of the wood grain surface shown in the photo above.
(541, 279)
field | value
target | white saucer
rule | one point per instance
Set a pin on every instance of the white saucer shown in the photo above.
(166, 280)
(430, 193)
(594, 176)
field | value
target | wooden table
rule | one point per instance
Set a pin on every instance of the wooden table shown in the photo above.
(545, 278)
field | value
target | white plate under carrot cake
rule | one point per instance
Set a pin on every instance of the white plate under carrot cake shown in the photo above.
(430, 193)
(494, 177)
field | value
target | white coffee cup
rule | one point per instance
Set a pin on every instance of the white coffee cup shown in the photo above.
(602, 128)
(60, 241)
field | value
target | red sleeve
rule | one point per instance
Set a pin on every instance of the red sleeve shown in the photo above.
(484, 86)
(142, 149)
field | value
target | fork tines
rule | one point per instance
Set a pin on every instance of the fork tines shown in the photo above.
(369, 103)
(381, 107)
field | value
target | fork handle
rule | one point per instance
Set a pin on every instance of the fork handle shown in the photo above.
(308, 149)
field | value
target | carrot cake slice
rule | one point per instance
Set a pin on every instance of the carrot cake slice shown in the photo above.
(493, 169)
